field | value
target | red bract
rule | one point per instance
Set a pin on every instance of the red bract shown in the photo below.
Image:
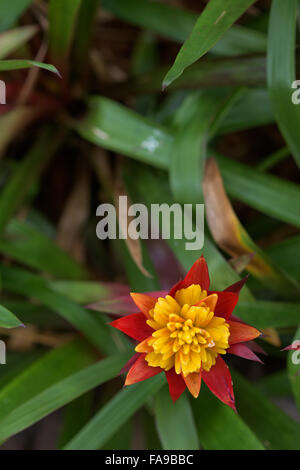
(185, 333)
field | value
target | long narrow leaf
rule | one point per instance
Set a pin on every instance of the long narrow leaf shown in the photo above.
(214, 21)
(114, 414)
(58, 395)
(168, 415)
(116, 128)
(10, 12)
(89, 323)
(281, 71)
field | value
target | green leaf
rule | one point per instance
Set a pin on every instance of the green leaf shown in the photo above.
(24, 243)
(62, 19)
(35, 379)
(209, 73)
(84, 292)
(252, 109)
(84, 32)
(8, 319)
(17, 64)
(283, 253)
(261, 190)
(271, 425)
(282, 71)
(93, 326)
(275, 385)
(265, 314)
(112, 126)
(214, 21)
(168, 415)
(200, 113)
(75, 415)
(114, 414)
(219, 427)
(25, 174)
(57, 395)
(14, 38)
(294, 369)
(10, 12)
(177, 24)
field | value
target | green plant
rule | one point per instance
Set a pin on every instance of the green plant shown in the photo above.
(85, 121)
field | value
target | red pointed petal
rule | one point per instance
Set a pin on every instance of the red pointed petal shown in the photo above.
(144, 302)
(256, 348)
(295, 346)
(198, 274)
(176, 384)
(193, 383)
(244, 351)
(121, 305)
(129, 363)
(141, 371)
(226, 304)
(240, 332)
(134, 326)
(219, 381)
(237, 286)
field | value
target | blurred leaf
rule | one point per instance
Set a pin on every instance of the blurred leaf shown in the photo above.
(212, 416)
(14, 38)
(23, 242)
(282, 71)
(10, 12)
(114, 414)
(168, 415)
(74, 216)
(260, 191)
(231, 236)
(75, 416)
(117, 128)
(177, 23)
(294, 369)
(272, 426)
(84, 292)
(16, 363)
(13, 123)
(62, 19)
(25, 174)
(91, 325)
(273, 159)
(213, 22)
(209, 73)
(283, 253)
(200, 113)
(132, 241)
(275, 385)
(112, 126)
(264, 314)
(62, 362)
(84, 31)
(56, 395)
(17, 64)
(8, 319)
(252, 109)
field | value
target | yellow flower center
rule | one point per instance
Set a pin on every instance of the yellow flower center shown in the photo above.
(187, 336)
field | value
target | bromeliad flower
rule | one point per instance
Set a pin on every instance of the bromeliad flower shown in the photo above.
(185, 333)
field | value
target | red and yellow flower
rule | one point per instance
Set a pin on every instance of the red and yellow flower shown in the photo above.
(185, 333)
